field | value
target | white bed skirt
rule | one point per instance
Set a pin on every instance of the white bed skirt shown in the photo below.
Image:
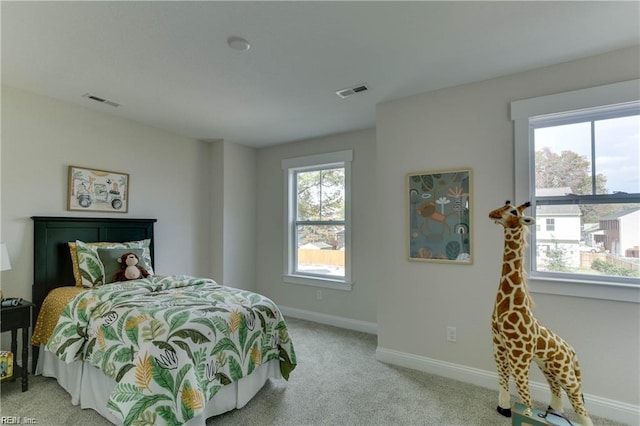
(90, 388)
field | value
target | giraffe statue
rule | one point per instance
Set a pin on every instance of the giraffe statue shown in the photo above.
(518, 338)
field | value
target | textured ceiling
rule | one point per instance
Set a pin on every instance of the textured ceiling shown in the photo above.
(169, 66)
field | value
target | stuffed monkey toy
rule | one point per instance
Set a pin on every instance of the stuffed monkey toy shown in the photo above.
(129, 268)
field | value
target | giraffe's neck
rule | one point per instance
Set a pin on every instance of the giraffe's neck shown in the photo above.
(514, 244)
(512, 292)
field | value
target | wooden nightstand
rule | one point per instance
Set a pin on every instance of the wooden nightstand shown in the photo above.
(13, 318)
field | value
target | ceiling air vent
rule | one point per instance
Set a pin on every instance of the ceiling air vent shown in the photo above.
(352, 90)
(101, 100)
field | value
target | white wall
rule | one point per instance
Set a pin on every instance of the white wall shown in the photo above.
(217, 211)
(169, 180)
(359, 304)
(629, 232)
(566, 229)
(239, 220)
(469, 126)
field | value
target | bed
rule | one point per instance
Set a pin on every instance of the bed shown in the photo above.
(158, 350)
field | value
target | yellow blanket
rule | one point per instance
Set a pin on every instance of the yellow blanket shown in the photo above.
(50, 312)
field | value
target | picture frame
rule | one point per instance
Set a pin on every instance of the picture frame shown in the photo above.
(97, 190)
(439, 216)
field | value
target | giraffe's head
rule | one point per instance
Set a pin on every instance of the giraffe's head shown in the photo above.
(511, 216)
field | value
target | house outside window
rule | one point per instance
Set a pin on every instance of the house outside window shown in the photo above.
(578, 162)
(318, 225)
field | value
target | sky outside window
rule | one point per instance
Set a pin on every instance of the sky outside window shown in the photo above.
(617, 149)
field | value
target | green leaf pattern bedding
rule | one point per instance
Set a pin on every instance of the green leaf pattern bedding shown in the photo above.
(171, 342)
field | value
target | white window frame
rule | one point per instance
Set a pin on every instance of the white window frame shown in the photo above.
(521, 113)
(315, 162)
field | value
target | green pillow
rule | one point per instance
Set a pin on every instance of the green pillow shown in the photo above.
(90, 268)
(109, 258)
(89, 265)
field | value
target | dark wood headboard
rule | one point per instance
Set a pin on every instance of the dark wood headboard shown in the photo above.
(52, 260)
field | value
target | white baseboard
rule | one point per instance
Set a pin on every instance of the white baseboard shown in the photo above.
(342, 322)
(597, 406)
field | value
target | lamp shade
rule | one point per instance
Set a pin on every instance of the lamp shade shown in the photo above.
(5, 263)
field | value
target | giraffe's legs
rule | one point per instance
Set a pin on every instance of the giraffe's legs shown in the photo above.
(521, 325)
(556, 389)
(520, 370)
(502, 363)
(575, 397)
(568, 379)
(573, 388)
(578, 406)
(556, 395)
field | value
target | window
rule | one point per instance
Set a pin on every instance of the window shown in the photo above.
(551, 224)
(578, 162)
(318, 226)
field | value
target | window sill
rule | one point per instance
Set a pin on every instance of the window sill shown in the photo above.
(588, 289)
(317, 282)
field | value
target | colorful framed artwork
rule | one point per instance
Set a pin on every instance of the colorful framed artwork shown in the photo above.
(439, 227)
(98, 190)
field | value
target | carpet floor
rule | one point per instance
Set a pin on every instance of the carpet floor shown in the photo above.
(337, 382)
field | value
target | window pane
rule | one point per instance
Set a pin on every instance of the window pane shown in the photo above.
(321, 249)
(551, 225)
(308, 202)
(321, 194)
(618, 154)
(593, 239)
(563, 159)
(332, 184)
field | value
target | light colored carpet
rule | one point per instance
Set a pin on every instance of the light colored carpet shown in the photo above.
(337, 382)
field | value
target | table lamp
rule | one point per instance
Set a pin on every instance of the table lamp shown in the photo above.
(5, 263)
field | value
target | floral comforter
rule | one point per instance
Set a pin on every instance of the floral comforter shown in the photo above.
(171, 342)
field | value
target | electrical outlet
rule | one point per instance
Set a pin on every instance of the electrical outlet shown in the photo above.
(451, 334)
(319, 295)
